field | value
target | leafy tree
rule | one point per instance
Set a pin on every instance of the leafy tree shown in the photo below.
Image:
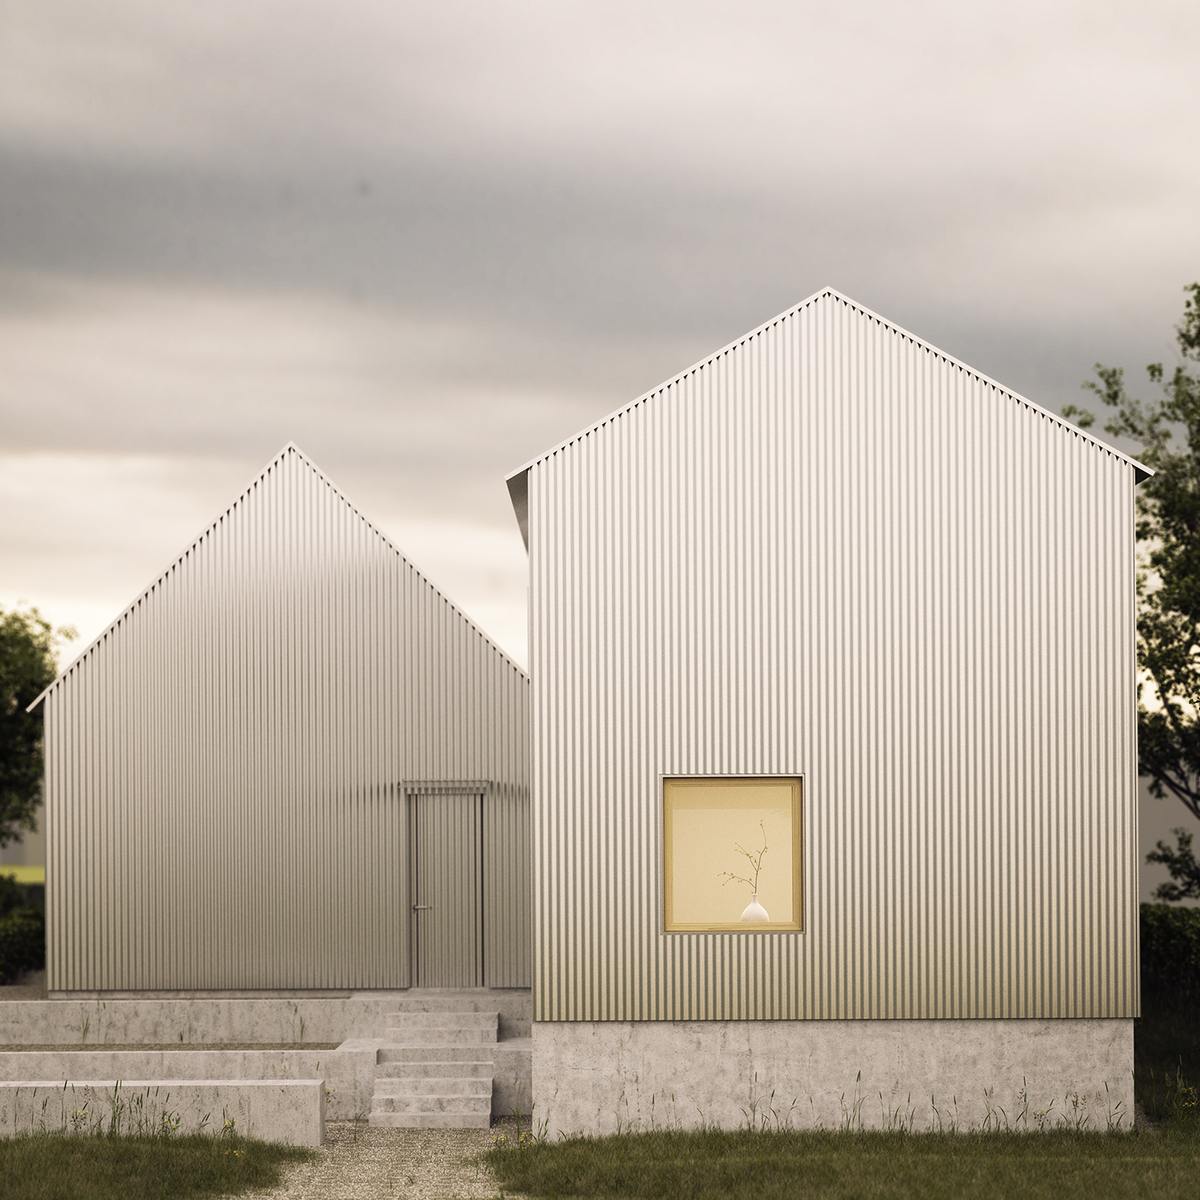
(27, 645)
(1181, 862)
(1167, 429)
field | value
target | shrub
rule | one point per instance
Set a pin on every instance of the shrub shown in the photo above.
(1171, 953)
(22, 943)
(12, 894)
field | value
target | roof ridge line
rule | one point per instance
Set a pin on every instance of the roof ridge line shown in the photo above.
(207, 531)
(758, 330)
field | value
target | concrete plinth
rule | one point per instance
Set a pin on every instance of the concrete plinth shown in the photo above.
(348, 1072)
(512, 1082)
(598, 1077)
(94, 1021)
(288, 1111)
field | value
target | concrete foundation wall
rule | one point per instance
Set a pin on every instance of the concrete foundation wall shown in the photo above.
(592, 1077)
(512, 1078)
(94, 1021)
(291, 1112)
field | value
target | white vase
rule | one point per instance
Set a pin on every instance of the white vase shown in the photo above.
(755, 911)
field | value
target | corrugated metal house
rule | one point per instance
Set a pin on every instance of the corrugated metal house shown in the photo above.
(290, 764)
(832, 593)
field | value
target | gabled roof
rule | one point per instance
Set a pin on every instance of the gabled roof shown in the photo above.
(518, 480)
(291, 449)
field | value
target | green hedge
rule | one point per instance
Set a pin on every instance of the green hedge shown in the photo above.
(22, 943)
(1170, 952)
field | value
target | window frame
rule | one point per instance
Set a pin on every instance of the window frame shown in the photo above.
(796, 923)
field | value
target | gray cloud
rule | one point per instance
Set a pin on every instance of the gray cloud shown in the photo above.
(559, 280)
(427, 242)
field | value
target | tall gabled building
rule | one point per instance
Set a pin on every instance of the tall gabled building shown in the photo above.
(835, 614)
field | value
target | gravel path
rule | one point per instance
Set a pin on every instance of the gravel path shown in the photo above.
(379, 1164)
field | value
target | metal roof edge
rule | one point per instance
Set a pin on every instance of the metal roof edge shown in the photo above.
(387, 541)
(1140, 470)
(290, 448)
(518, 493)
(161, 575)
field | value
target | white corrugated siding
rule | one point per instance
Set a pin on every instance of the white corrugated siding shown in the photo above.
(226, 767)
(832, 552)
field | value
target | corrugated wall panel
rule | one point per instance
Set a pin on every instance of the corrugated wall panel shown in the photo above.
(226, 766)
(507, 873)
(832, 552)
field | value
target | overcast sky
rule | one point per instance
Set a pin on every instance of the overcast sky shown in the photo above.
(426, 242)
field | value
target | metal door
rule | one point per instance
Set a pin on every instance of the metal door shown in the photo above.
(446, 869)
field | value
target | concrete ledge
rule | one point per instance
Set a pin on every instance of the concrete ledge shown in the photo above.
(288, 1111)
(590, 1077)
(92, 1022)
(349, 1073)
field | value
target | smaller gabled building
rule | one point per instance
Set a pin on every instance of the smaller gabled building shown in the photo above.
(834, 614)
(290, 765)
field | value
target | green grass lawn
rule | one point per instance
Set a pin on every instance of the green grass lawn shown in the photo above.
(1163, 1162)
(832, 1166)
(58, 1167)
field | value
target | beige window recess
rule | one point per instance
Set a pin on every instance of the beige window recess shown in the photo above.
(731, 854)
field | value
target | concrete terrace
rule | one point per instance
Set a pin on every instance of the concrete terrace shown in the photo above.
(420, 1058)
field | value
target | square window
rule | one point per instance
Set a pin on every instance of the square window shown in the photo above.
(721, 837)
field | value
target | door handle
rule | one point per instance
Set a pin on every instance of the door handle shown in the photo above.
(422, 907)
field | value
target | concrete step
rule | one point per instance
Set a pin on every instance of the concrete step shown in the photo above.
(514, 1009)
(442, 1029)
(452, 1000)
(454, 1019)
(434, 1070)
(434, 1086)
(465, 1105)
(394, 1120)
(441, 1037)
(428, 1054)
(451, 1027)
